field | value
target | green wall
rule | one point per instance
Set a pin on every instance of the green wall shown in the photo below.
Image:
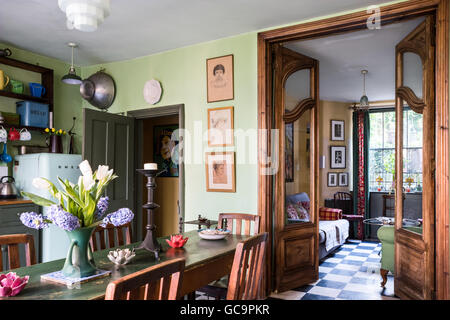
(182, 73)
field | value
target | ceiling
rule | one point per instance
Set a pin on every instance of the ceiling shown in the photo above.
(342, 57)
(137, 28)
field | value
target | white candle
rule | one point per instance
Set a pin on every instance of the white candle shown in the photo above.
(150, 166)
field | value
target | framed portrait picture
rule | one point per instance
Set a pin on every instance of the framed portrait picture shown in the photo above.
(220, 78)
(164, 152)
(220, 127)
(332, 179)
(338, 157)
(337, 130)
(220, 172)
(343, 179)
(289, 153)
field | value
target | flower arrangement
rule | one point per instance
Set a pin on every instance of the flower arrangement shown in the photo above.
(11, 284)
(80, 205)
(55, 132)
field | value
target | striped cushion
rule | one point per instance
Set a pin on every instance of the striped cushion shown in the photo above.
(330, 213)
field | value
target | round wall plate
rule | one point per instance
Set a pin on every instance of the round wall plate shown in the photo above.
(152, 91)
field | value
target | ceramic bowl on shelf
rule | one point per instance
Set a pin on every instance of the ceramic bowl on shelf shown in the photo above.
(213, 234)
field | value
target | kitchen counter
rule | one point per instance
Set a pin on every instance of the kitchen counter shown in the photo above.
(9, 202)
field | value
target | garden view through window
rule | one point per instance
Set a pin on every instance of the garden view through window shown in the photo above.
(382, 151)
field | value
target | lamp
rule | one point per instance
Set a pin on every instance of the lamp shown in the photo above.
(71, 77)
(85, 15)
(364, 101)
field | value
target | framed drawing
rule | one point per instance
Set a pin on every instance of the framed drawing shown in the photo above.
(220, 78)
(337, 157)
(164, 151)
(343, 179)
(289, 153)
(337, 130)
(220, 172)
(220, 127)
(332, 179)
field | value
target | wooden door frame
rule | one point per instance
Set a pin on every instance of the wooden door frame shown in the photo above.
(147, 113)
(354, 22)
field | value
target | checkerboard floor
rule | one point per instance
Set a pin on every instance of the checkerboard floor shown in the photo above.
(351, 273)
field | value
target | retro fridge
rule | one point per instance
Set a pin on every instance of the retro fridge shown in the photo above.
(54, 241)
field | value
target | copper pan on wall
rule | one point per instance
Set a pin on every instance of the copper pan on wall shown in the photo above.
(99, 90)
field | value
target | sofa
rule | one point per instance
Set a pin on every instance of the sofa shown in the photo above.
(333, 230)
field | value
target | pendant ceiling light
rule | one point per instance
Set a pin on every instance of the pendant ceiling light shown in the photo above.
(71, 77)
(364, 101)
(84, 15)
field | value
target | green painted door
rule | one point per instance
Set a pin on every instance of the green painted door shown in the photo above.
(109, 139)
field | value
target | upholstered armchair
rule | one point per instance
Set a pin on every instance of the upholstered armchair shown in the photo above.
(386, 236)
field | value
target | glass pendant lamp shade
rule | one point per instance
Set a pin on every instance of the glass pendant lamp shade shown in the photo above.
(71, 77)
(364, 101)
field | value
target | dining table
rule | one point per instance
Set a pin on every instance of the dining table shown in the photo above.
(206, 261)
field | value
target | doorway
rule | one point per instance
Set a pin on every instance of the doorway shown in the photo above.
(267, 186)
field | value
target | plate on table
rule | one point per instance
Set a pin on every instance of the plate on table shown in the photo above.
(213, 234)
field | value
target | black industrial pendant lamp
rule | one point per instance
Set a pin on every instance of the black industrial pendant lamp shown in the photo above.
(71, 77)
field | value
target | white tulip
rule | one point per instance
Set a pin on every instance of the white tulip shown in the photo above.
(85, 168)
(40, 183)
(102, 172)
(88, 182)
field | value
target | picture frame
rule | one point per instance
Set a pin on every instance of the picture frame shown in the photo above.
(332, 179)
(338, 158)
(220, 78)
(289, 153)
(220, 172)
(164, 149)
(221, 127)
(337, 130)
(343, 179)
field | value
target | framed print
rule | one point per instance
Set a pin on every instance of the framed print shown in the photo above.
(337, 157)
(164, 151)
(220, 172)
(220, 78)
(337, 130)
(332, 179)
(220, 127)
(343, 179)
(289, 153)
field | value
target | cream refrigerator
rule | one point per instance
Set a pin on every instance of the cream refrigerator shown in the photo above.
(54, 241)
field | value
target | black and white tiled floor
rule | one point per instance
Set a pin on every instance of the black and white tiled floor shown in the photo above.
(351, 273)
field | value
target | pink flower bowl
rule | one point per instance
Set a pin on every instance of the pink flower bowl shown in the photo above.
(11, 284)
(177, 241)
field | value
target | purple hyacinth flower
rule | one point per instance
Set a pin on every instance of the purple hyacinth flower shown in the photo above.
(118, 218)
(63, 219)
(102, 206)
(33, 220)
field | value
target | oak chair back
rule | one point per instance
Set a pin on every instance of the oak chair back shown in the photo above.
(247, 269)
(12, 241)
(110, 231)
(243, 222)
(159, 282)
(344, 201)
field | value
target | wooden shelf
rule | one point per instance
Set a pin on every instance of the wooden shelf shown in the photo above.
(23, 97)
(19, 127)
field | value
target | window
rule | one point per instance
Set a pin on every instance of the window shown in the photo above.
(382, 150)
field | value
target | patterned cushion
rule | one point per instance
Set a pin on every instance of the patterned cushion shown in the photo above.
(330, 213)
(292, 212)
(297, 212)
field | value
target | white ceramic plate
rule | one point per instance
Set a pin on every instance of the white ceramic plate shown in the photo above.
(212, 236)
(152, 91)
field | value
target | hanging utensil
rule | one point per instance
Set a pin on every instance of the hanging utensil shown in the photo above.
(99, 90)
(71, 134)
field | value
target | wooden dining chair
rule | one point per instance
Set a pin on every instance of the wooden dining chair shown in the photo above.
(159, 282)
(218, 288)
(12, 241)
(247, 269)
(110, 231)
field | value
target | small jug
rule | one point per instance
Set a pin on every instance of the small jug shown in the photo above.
(3, 134)
(14, 134)
(4, 80)
(25, 135)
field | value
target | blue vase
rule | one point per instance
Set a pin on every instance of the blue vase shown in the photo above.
(79, 261)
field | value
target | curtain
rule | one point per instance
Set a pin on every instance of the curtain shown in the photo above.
(361, 135)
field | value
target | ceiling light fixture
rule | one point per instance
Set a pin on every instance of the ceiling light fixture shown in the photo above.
(85, 15)
(71, 77)
(364, 101)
